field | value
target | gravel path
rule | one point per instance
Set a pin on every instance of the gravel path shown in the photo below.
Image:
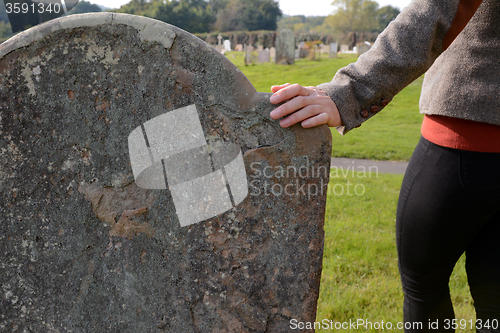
(369, 165)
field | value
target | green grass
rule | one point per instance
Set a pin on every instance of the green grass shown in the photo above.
(305, 72)
(360, 278)
(391, 135)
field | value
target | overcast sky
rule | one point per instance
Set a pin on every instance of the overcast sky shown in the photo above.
(290, 7)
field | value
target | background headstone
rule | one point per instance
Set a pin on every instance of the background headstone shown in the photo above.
(220, 46)
(333, 50)
(344, 48)
(363, 47)
(239, 48)
(325, 48)
(83, 248)
(272, 52)
(303, 53)
(285, 47)
(264, 56)
(227, 45)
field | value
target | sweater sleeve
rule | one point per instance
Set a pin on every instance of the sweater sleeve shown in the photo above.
(401, 54)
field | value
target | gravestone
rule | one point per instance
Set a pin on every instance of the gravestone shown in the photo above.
(239, 47)
(144, 187)
(324, 48)
(272, 52)
(303, 53)
(344, 48)
(220, 46)
(249, 56)
(333, 50)
(264, 56)
(227, 45)
(363, 47)
(285, 47)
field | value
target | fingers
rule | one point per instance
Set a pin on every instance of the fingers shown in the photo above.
(320, 119)
(309, 106)
(289, 107)
(275, 89)
(304, 114)
(287, 91)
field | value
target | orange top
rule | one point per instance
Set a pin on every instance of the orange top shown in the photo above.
(461, 134)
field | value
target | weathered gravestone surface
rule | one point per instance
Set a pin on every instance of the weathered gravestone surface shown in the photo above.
(285, 47)
(107, 123)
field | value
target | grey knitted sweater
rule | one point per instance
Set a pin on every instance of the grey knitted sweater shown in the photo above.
(457, 42)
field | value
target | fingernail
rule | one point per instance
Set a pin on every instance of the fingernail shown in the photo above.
(284, 123)
(274, 114)
(274, 99)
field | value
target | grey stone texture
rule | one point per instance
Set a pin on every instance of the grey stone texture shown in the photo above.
(285, 47)
(83, 248)
(264, 56)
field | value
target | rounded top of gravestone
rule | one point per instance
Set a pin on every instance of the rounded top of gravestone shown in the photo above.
(237, 91)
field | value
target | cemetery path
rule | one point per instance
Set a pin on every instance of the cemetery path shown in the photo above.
(395, 167)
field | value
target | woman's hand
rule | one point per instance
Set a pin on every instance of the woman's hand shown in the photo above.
(309, 105)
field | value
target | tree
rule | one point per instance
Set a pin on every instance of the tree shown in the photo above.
(194, 16)
(248, 15)
(5, 31)
(355, 17)
(141, 7)
(386, 15)
(3, 14)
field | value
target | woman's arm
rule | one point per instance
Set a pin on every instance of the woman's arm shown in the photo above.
(401, 53)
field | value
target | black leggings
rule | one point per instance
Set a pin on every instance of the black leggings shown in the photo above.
(449, 204)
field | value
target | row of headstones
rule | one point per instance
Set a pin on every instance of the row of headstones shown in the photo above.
(288, 43)
(303, 51)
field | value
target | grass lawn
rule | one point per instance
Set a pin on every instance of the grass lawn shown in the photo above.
(391, 135)
(360, 278)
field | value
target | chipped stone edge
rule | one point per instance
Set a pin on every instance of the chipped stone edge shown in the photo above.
(149, 29)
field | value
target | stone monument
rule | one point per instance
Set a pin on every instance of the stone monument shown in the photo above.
(272, 52)
(220, 45)
(227, 45)
(285, 47)
(144, 187)
(333, 50)
(264, 56)
(363, 47)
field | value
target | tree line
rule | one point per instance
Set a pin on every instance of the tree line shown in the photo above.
(199, 16)
(349, 21)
